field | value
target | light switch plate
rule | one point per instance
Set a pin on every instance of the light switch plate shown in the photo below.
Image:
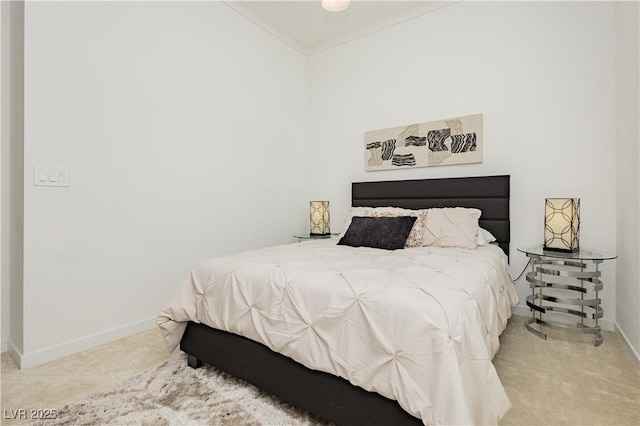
(50, 175)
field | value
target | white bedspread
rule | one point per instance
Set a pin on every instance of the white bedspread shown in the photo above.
(418, 325)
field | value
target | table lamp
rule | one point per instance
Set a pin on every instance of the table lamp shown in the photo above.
(319, 216)
(562, 224)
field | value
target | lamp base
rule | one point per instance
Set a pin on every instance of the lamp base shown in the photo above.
(563, 250)
(319, 235)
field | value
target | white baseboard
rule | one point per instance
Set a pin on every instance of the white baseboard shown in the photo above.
(525, 311)
(14, 353)
(41, 356)
(633, 354)
(54, 352)
(520, 310)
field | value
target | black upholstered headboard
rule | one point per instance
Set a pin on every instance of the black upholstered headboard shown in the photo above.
(490, 194)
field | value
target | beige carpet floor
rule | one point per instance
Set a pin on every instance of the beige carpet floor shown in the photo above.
(563, 380)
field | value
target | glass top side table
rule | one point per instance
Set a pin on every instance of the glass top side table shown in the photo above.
(301, 237)
(565, 283)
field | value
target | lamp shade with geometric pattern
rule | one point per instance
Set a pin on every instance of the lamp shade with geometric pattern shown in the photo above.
(319, 216)
(562, 224)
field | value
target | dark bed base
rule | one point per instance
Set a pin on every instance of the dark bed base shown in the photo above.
(329, 397)
(325, 395)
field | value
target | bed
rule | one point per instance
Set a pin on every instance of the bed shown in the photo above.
(394, 382)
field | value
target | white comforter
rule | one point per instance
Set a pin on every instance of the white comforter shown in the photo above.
(418, 325)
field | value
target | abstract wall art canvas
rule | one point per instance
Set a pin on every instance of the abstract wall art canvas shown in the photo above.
(436, 143)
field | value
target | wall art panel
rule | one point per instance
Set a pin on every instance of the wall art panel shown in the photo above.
(436, 143)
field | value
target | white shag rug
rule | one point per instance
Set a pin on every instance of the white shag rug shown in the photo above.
(173, 393)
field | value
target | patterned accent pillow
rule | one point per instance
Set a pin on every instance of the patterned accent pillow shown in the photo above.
(451, 227)
(388, 233)
(415, 236)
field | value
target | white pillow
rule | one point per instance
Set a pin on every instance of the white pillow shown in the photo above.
(354, 211)
(415, 236)
(451, 227)
(484, 237)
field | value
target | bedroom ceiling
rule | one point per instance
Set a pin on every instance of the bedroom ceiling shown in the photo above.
(308, 28)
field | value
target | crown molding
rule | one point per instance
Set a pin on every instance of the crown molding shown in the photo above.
(345, 38)
(257, 19)
(383, 24)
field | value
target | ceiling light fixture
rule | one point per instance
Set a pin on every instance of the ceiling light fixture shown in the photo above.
(335, 5)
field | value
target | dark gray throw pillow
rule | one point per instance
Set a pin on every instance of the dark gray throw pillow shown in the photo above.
(389, 233)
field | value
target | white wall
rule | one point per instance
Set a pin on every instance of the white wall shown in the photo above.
(12, 156)
(628, 175)
(192, 133)
(543, 75)
(4, 181)
(183, 125)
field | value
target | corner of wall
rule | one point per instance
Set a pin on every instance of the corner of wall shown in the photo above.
(4, 167)
(15, 354)
(627, 129)
(12, 200)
